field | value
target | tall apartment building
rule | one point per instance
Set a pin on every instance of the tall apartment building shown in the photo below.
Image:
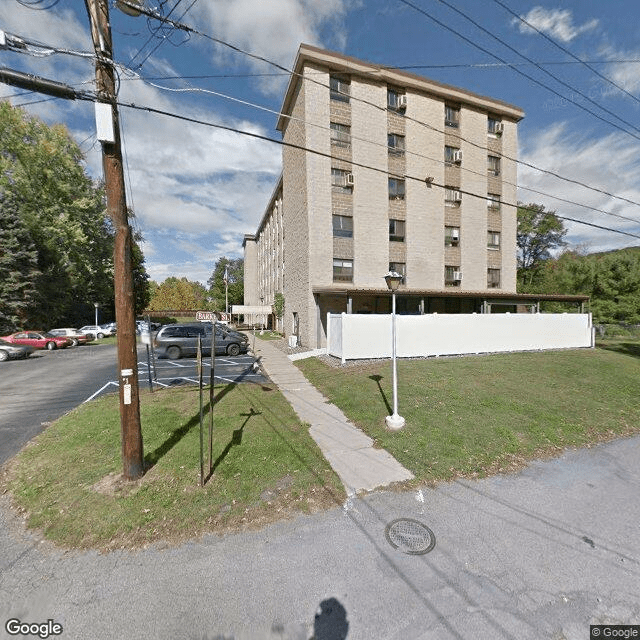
(385, 170)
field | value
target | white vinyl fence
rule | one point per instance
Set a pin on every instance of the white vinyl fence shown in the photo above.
(354, 336)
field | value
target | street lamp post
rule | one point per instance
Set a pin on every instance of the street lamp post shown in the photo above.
(96, 305)
(395, 421)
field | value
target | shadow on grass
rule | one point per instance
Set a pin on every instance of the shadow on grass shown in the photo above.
(152, 458)
(376, 379)
(236, 441)
(625, 348)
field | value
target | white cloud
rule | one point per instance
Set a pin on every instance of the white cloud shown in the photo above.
(557, 23)
(610, 163)
(273, 29)
(625, 75)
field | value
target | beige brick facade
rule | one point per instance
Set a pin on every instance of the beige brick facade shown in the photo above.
(324, 240)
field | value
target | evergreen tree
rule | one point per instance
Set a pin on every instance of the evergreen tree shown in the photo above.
(18, 267)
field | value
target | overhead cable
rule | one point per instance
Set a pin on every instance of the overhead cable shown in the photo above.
(257, 57)
(282, 143)
(586, 63)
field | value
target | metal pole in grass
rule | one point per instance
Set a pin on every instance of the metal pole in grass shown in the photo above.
(394, 422)
(211, 391)
(199, 368)
(149, 353)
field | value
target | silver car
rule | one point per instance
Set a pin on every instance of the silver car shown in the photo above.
(10, 351)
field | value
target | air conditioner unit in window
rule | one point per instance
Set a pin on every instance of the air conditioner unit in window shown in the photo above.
(348, 180)
(498, 128)
(402, 101)
(457, 156)
(457, 276)
(455, 234)
(457, 196)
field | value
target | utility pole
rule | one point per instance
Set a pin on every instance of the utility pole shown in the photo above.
(132, 456)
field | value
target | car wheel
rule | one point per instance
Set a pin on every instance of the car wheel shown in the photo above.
(233, 349)
(100, 336)
(51, 346)
(3, 356)
(174, 353)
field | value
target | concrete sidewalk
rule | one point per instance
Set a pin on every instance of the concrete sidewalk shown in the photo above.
(348, 450)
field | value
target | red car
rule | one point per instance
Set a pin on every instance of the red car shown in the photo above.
(38, 340)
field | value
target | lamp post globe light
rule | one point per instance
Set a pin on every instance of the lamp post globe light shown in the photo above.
(395, 421)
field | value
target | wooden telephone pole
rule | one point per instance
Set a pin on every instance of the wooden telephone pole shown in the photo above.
(132, 456)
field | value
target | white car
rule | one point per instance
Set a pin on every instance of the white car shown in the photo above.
(109, 329)
(92, 329)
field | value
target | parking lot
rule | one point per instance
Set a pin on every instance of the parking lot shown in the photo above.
(169, 373)
(35, 391)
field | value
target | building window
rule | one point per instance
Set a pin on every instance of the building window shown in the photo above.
(452, 276)
(399, 267)
(396, 189)
(451, 116)
(342, 270)
(340, 134)
(342, 226)
(395, 142)
(493, 239)
(452, 156)
(451, 236)
(452, 196)
(340, 88)
(396, 230)
(341, 180)
(493, 165)
(493, 278)
(493, 201)
(494, 126)
(396, 100)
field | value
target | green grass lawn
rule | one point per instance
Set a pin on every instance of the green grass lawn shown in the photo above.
(483, 414)
(266, 467)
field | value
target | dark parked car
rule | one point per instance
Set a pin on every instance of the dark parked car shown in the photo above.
(10, 351)
(177, 340)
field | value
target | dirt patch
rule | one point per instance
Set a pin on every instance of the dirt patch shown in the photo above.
(115, 485)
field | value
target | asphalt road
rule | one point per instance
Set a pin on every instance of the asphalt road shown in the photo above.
(48, 384)
(45, 386)
(538, 555)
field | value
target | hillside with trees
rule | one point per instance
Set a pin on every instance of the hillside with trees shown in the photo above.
(611, 279)
(56, 259)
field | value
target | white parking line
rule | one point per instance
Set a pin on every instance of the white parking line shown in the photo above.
(115, 384)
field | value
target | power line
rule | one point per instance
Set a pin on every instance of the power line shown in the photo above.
(565, 50)
(483, 65)
(379, 144)
(254, 56)
(282, 143)
(522, 73)
(163, 40)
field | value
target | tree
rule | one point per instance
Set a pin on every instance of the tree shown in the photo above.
(42, 168)
(612, 280)
(18, 267)
(539, 233)
(141, 286)
(235, 271)
(178, 294)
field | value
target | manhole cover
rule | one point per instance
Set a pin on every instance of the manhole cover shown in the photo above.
(410, 536)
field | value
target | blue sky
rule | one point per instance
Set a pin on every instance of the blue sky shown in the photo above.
(197, 190)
